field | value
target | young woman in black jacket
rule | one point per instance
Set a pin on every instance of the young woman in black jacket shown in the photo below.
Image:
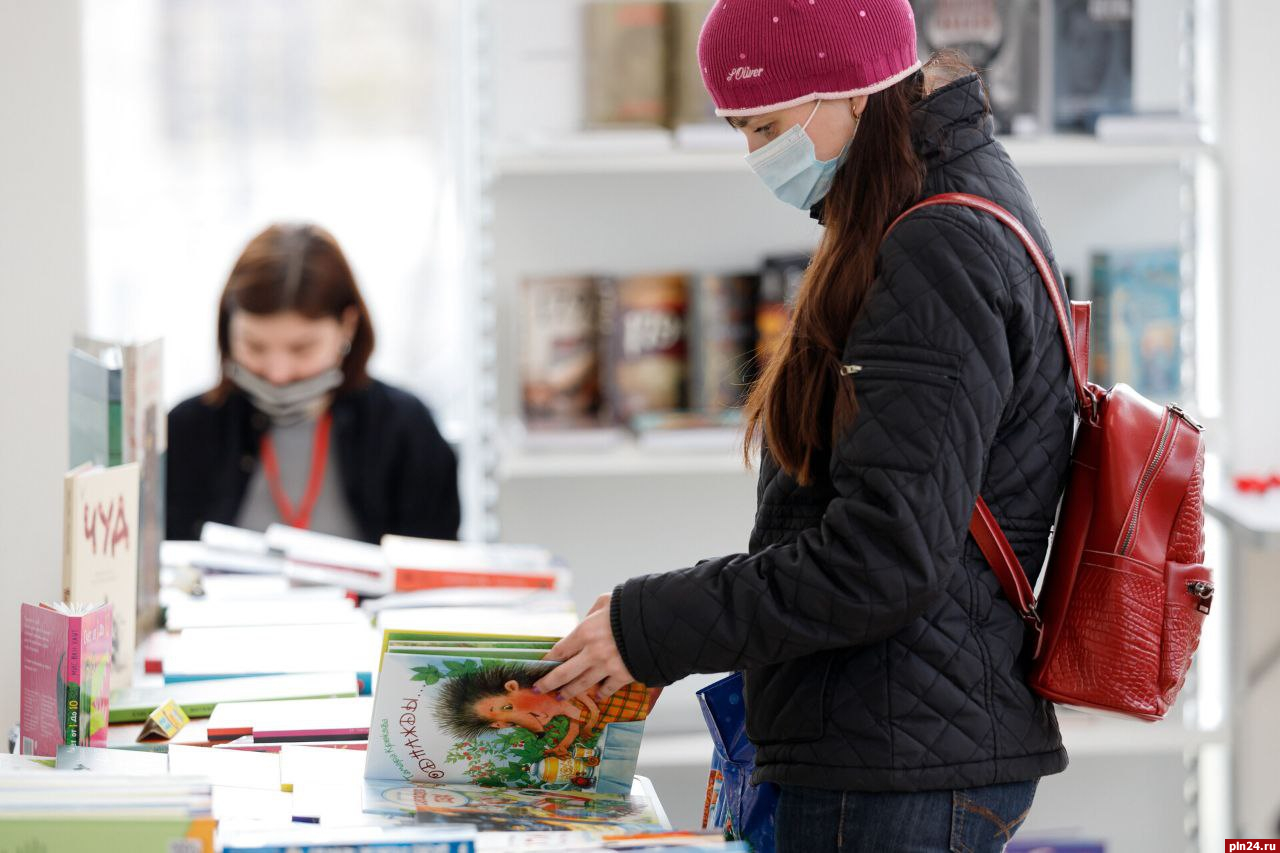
(296, 431)
(884, 676)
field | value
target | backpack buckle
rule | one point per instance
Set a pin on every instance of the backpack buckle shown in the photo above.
(1035, 625)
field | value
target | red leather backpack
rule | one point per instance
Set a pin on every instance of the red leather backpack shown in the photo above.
(1125, 589)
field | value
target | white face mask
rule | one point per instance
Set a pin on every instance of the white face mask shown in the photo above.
(284, 404)
(790, 168)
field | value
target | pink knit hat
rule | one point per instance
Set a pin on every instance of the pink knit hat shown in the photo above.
(758, 56)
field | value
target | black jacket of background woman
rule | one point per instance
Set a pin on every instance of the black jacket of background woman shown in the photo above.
(398, 474)
(878, 649)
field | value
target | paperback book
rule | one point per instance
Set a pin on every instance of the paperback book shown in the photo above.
(460, 709)
(100, 552)
(65, 680)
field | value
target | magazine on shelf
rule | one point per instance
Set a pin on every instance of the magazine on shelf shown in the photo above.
(644, 344)
(1002, 39)
(722, 340)
(1092, 61)
(624, 64)
(460, 709)
(560, 366)
(1137, 321)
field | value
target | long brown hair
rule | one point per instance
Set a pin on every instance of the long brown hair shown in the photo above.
(801, 403)
(295, 268)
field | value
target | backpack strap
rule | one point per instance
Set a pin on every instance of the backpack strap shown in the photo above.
(1073, 324)
(1068, 321)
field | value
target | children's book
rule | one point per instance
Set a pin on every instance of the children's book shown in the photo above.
(66, 676)
(516, 810)
(100, 552)
(454, 715)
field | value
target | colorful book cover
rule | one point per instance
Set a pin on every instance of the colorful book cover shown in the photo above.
(100, 553)
(643, 323)
(513, 810)
(1137, 321)
(722, 340)
(1092, 61)
(65, 682)
(470, 718)
(625, 68)
(559, 336)
(1002, 38)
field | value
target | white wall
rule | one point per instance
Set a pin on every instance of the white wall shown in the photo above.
(42, 269)
(1251, 128)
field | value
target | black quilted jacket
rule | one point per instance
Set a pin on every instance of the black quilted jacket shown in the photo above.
(879, 652)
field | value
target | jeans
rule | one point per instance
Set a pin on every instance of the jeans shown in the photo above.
(966, 820)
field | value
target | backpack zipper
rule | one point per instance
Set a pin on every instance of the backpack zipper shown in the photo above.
(1162, 446)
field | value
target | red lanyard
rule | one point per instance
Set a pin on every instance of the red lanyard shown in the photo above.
(301, 517)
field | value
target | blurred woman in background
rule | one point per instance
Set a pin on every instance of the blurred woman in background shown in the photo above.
(296, 431)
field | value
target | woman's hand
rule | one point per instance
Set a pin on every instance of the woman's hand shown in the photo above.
(589, 658)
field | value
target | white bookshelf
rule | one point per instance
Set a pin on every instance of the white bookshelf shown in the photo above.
(1059, 151)
(626, 460)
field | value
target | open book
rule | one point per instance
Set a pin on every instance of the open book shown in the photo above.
(460, 709)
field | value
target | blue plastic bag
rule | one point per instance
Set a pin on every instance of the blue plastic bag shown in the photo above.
(743, 810)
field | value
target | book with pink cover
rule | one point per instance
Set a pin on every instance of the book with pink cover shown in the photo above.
(66, 676)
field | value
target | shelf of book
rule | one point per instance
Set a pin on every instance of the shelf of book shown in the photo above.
(583, 158)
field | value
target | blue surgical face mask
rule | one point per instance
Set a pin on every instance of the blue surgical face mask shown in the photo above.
(790, 168)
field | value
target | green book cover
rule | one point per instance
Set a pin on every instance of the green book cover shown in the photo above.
(88, 410)
(72, 700)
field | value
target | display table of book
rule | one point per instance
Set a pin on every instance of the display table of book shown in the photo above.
(271, 713)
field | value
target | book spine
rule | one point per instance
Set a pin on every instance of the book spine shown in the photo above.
(412, 580)
(75, 665)
(68, 535)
